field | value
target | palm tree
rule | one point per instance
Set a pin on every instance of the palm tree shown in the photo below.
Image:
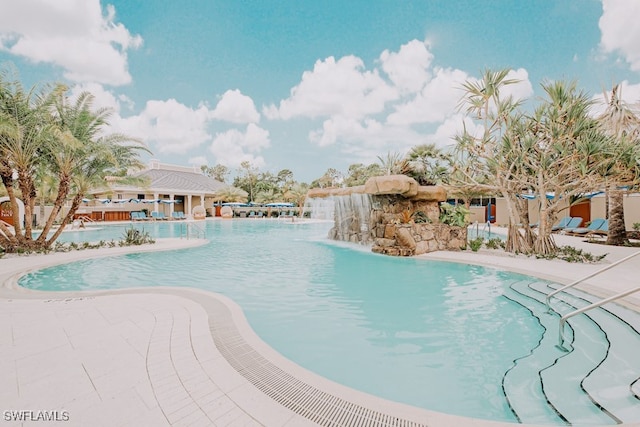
(82, 154)
(25, 128)
(393, 164)
(425, 163)
(621, 122)
(297, 194)
(231, 194)
(268, 196)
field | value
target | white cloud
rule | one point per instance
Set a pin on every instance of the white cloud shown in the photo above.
(72, 34)
(168, 126)
(452, 126)
(408, 69)
(630, 94)
(520, 90)
(103, 98)
(235, 107)
(234, 147)
(333, 88)
(435, 102)
(198, 161)
(620, 31)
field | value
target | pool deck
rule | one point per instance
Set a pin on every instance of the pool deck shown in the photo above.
(179, 356)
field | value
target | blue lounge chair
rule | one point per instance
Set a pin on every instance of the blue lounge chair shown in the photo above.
(562, 224)
(604, 228)
(596, 224)
(138, 216)
(177, 215)
(574, 222)
(158, 216)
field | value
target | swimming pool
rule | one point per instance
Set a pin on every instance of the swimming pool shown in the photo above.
(430, 334)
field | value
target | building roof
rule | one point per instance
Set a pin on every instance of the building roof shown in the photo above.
(180, 181)
(165, 178)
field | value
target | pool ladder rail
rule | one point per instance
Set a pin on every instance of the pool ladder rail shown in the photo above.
(192, 230)
(595, 379)
(564, 318)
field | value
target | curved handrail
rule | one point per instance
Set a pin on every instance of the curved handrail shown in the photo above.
(589, 276)
(566, 317)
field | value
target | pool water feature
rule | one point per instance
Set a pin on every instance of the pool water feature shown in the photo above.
(442, 336)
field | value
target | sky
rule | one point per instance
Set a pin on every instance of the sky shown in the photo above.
(310, 85)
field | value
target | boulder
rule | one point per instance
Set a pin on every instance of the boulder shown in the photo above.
(319, 193)
(391, 184)
(430, 193)
(405, 239)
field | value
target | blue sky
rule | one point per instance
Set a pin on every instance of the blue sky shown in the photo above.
(309, 85)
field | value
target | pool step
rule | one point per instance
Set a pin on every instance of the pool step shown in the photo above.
(521, 384)
(610, 384)
(562, 381)
(591, 384)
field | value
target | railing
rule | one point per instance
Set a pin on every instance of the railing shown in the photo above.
(486, 227)
(85, 218)
(190, 229)
(589, 276)
(564, 318)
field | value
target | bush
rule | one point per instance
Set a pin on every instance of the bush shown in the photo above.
(571, 254)
(495, 243)
(134, 237)
(453, 215)
(476, 244)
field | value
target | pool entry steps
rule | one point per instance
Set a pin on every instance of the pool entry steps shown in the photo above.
(595, 381)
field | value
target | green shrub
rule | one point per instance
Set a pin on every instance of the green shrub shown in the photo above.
(495, 243)
(135, 237)
(453, 215)
(476, 244)
(571, 254)
(636, 226)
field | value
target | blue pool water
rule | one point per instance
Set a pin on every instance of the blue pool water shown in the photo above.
(430, 334)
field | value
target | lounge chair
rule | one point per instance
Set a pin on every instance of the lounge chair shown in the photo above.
(562, 224)
(138, 216)
(604, 229)
(177, 215)
(158, 216)
(595, 225)
(573, 223)
(252, 214)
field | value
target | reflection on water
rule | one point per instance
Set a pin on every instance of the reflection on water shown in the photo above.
(431, 334)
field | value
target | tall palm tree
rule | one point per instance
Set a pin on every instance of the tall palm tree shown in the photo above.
(82, 154)
(231, 194)
(297, 194)
(622, 123)
(25, 128)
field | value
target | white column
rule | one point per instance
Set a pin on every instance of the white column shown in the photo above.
(156, 196)
(188, 212)
(171, 196)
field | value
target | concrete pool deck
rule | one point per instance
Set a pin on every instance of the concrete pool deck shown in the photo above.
(176, 356)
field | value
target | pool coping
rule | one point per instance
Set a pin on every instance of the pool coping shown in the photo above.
(307, 397)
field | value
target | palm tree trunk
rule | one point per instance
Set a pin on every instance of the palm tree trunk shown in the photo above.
(617, 230)
(63, 191)
(66, 220)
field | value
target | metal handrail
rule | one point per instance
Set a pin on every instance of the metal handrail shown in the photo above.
(564, 318)
(186, 227)
(589, 276)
